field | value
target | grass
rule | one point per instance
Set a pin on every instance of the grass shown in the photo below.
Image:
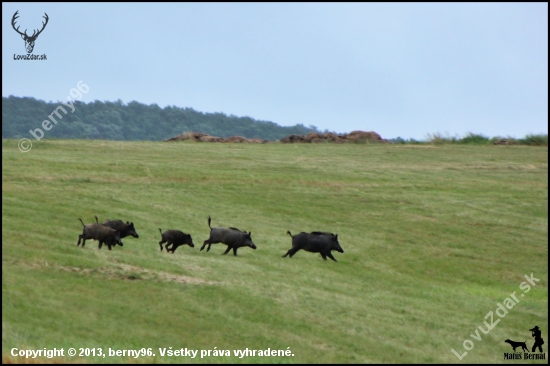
(434, 237)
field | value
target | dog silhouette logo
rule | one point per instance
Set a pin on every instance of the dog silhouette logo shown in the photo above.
(515, 345)
(29, 40)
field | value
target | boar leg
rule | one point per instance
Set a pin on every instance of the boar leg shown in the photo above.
(291, 252)
(331, 257)
(324, 256)
(204, 244)
(235, 251)
(227, 250)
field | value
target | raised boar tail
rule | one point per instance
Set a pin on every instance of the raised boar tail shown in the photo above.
(209, 220)
(82, 222)
(288, 232)
(160, 231)
(96, 220)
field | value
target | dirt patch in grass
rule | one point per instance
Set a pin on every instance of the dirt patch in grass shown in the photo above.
(125, 272)
(132, 273)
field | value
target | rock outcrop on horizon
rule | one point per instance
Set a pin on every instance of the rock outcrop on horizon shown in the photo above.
(312, 137)
(203, 137)
(354, 136)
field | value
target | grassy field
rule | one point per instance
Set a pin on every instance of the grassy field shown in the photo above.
(434, 238)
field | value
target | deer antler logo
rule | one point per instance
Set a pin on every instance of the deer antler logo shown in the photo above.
(29, 41)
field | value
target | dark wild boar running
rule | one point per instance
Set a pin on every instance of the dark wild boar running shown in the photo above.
(124, 229)
(230, 236)
(316, 242)
(175, 238)
(101, 233)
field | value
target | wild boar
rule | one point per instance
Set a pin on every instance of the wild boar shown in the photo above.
(230, 236)
(101, 233)
(175, 238)
(124, 229)
(316, 242)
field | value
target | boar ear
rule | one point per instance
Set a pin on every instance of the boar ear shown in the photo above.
(127, 223)
(250, 233)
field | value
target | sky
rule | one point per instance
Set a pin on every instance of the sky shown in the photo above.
(399, 69)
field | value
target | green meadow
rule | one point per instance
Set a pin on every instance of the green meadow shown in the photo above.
(435, 237)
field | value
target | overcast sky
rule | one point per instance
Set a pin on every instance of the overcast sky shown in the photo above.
(398, 69)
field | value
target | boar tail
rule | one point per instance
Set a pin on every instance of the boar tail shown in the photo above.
(209, 220)
(96, 220)
(82, 222)
(160, 231)
(288, 232)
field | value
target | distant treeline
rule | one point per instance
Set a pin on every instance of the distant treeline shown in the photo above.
(132, 121)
